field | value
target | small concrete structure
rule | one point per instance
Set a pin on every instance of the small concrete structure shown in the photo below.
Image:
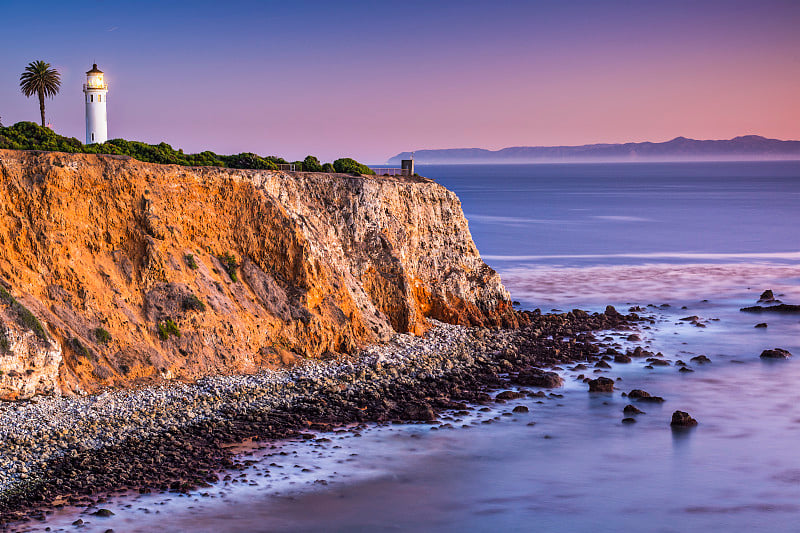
(408, 166)
(95, 90)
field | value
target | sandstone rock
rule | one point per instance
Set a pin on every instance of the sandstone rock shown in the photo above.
(319, 264)
(29, 365)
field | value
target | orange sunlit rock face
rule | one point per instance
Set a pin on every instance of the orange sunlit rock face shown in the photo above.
(326, 264)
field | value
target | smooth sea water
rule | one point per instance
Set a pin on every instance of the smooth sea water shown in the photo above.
(687, 239)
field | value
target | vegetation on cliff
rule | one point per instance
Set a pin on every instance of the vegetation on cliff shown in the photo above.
(30, 136)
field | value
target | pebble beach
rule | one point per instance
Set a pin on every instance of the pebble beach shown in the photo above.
(67, 450)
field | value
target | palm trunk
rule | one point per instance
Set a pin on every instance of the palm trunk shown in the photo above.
(41, 106)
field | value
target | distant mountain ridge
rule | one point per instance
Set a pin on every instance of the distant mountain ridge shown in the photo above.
(678, 149)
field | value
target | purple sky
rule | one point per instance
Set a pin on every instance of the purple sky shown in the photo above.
(370, 79)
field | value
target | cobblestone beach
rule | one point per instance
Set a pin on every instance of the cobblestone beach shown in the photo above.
(56, 451)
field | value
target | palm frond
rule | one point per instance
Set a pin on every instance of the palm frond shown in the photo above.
(40, 77)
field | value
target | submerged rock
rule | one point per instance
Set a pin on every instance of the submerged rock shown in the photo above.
(632, 410)
(780, 308)
(509, 395)
(638, 394)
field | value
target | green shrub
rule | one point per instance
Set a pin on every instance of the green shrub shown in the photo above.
(102, 335)
(167, 328)
(78, 347)
(230, 264)
(311, 164)
(250, 161)
(193, 303)
(31, 136)
(26, 318)
(190, 261)
(351, 166)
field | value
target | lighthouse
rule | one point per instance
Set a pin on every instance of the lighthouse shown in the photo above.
(95, 90)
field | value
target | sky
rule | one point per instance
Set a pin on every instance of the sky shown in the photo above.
(369, 79)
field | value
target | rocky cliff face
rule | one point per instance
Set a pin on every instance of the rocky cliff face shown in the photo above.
(142, 272)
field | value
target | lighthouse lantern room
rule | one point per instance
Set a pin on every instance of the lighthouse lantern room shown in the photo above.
(95, 90)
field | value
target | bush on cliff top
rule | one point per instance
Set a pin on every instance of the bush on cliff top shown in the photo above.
(351, 166)
(30, 136)
(311, 164)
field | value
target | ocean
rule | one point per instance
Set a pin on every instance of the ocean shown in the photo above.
(678, 240)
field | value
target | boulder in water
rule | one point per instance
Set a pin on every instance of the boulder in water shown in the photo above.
(632, 410)
(601, 385)
(682, 419)
(536, 377)
(776, 353)
(638, 394)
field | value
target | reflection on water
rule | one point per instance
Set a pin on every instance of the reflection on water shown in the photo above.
(651, 282)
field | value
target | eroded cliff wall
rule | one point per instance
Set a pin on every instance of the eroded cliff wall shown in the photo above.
(109, 253)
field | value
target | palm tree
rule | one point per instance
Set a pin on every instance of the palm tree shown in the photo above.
(41, 79)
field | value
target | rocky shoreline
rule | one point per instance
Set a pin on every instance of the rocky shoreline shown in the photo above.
(72, 451)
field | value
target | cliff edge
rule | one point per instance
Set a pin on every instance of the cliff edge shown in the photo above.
(115, 272)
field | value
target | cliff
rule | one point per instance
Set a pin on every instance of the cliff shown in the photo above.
(118, 273)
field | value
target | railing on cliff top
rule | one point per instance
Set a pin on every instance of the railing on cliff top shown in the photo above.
(391, 171)
(291, 167)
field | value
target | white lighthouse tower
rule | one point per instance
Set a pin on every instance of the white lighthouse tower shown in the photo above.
(95, 90)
